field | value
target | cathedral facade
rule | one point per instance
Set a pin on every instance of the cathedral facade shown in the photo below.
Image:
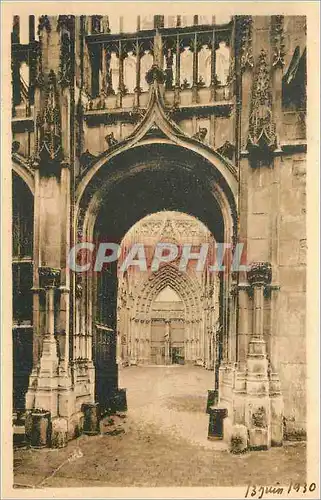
(194, 129)
(168, 315)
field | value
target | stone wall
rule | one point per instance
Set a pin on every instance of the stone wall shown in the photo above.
(290, 337)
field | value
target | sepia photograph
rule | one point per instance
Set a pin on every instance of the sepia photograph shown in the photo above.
(157, 236)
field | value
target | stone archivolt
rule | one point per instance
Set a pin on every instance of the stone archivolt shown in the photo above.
(199, 309)
(142, 310)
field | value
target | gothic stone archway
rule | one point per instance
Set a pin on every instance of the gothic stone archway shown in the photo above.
(129, 187)
(140, 317)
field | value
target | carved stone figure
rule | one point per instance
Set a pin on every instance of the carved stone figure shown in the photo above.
(111, 140)
(201, 134)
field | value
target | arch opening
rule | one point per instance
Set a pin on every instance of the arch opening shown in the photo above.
(164, 178)
(22, 278)
(162, 314)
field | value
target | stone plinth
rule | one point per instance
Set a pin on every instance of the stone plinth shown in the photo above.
(215, 427)
(59, 433)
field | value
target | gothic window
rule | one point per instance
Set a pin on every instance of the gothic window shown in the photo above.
(222, 63)
(186, 68)
(204, 65)
(114, 68)
(145, 64)
(130, 72)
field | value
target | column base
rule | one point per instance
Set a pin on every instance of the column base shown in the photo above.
(59, 433)
(254, 403)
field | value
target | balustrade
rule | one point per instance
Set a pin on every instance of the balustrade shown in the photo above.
(194, 57)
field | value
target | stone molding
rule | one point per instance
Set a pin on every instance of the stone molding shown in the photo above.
(260, 274)
(49, 277)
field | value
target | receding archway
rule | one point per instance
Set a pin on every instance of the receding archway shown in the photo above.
(136, 182)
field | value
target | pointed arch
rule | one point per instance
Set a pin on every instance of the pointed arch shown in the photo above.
(22, 169)
(157, 126)
(184, 285)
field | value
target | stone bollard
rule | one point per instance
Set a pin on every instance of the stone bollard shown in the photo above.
(38, 428)
(212, 399)
(91, 418)
(215, 426)
(59, 433)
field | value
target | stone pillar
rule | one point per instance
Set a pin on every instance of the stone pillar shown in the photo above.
(46, 396)
(167, 338)
(121, 86)
(243, 319)
(177, 72)
(158, 50)
(50, 385)
(137, 89)
(257, 412)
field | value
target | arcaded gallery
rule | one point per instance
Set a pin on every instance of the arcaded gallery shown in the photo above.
(184, 131)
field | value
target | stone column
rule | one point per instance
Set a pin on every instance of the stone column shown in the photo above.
(167, 338)
(46, 396)
(195, 47)
(257, 413)
(243, 319)
(213, 65)
(158, 50)
(137, 89)
(121, 86)
(177, 72)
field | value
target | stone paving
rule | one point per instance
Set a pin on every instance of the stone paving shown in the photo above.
(161, 441)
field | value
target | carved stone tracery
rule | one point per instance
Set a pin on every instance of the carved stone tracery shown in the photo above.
(65, 24)
(155, 74)
(245, 41)
(48, 124)
(262, 138)
(278, 45)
